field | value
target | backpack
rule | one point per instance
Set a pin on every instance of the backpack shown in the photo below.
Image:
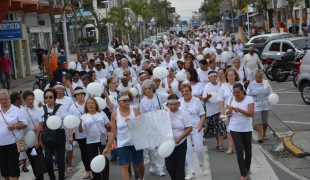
(52, 137)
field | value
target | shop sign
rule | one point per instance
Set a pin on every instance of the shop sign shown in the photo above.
(11, 30)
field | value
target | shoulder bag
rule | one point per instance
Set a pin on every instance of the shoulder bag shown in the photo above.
(103, 137)
(20, 142)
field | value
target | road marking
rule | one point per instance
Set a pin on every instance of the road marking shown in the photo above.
(199, 174)
(294, 122)
(289, 92)
(260, 167)
(301, 105)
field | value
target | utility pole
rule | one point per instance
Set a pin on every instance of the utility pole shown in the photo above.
(64, 30)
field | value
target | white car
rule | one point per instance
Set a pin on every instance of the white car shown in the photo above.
(261, 38)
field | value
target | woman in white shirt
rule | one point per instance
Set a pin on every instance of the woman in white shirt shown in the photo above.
(260, 90)
(94, 123)
(77, 109)
(11, 125)
(33, 115)
(242, 72)
(225, 92)
(241, 111)
(214, 127)
(181, 128)
(192, 79)
(125, 148)
(192, 106)
(152, 101)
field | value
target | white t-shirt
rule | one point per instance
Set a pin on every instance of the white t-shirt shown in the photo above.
(194, 109)
(225, 92)
(65, 101)
(119, 72)
(203, 76)
(212, 108)
(179, 121)
(197, 89)
(35, 114)
(91, 125)
(12, 116)
(77, 110)
(252, 62)
(239, 122)
(78, 83)
(103, 73)
(147, 105)
(260, 96)
(62, 112)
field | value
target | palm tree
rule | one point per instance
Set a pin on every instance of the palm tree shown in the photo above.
(117, 17)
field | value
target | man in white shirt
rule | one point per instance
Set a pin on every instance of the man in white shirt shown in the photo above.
(100, 73)
(252, 62)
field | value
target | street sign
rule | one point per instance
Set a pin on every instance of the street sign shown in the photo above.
(11, 30)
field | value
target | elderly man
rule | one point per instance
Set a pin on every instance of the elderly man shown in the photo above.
(123, 66)
(252, 62)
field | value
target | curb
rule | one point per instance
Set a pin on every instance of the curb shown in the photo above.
(289, 146)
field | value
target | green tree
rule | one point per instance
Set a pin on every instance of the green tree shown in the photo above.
(211, 11)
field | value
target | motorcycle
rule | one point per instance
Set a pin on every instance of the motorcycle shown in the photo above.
(287, 66)
(267, 63)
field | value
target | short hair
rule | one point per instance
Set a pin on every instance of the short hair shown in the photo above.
(53, 91)
(126, 72)
(203, 61)
(86, 77)
(149, 71)
(186, 85)
(194, 74)
(27, 93)
(5, 92)
(110, 79)
(259, 71)
(96, 104)
(150, 83)
(240, 86)
(68, 77)
(237, 78)
(173, 97)
(210, 72)
(14, 97)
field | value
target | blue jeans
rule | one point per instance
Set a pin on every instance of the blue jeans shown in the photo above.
(5, 80)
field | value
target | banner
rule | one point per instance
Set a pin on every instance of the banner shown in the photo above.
(150, 130)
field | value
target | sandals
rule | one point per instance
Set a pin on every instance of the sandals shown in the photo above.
(70, 169)
(220, 149)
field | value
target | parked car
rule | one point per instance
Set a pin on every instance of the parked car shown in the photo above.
(303, 78)
(260, 41)
(276, 48)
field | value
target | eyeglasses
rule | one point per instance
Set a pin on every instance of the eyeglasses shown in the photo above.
(80, 94)
(126, 100)
(49, 97)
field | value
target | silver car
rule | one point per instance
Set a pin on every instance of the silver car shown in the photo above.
(303, 78)
(276, 48)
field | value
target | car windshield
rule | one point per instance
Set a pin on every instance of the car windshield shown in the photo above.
(302, 43)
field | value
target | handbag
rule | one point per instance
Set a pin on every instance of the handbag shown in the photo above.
(103, 137)
(20, 142)
(40, 166)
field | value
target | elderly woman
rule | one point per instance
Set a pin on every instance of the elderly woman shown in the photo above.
(11, 125)
(260, 90)
(214, 127)
(94, 123)
(152, 102)
(125, 112)
(225, 92)
(181, 128)
(192, 106)
(77, 109)
(242, 72)
(54, 140)
(33, 115)
(241, 111)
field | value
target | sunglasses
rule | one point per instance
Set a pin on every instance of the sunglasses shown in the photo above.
(80, 94)
(126, 100)
(49, 97)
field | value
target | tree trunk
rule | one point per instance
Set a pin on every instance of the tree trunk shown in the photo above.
(240, 22)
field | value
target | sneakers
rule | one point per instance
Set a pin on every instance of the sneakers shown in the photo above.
(203, 170)
(152, 170)
(161, 173)
(191, 176)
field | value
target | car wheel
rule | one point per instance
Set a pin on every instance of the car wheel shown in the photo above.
(305, 93)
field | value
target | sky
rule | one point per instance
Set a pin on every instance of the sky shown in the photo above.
(185, 7)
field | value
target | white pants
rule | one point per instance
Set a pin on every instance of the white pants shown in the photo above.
(157, 162)
(197, 140)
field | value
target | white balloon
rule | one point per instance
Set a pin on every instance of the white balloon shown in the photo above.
(97, 164)
(200, 57)
(166, 148)
(38, 95)
(192, 52)
(166, 43)
(175, 87)
(207, 51)
(180, 76)
(134, 91)
(165, 37)
(102, 102)
(111, 50)
(71, 121)
(30, 139)
(213, 98)
(112, 99)
(126, 48)
(273, 98)
(53, 122)
(160, 72)
(72, 65)
(95, 88)
(36, 103)
(225, 56)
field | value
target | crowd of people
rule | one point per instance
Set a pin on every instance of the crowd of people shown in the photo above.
(218, 81)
